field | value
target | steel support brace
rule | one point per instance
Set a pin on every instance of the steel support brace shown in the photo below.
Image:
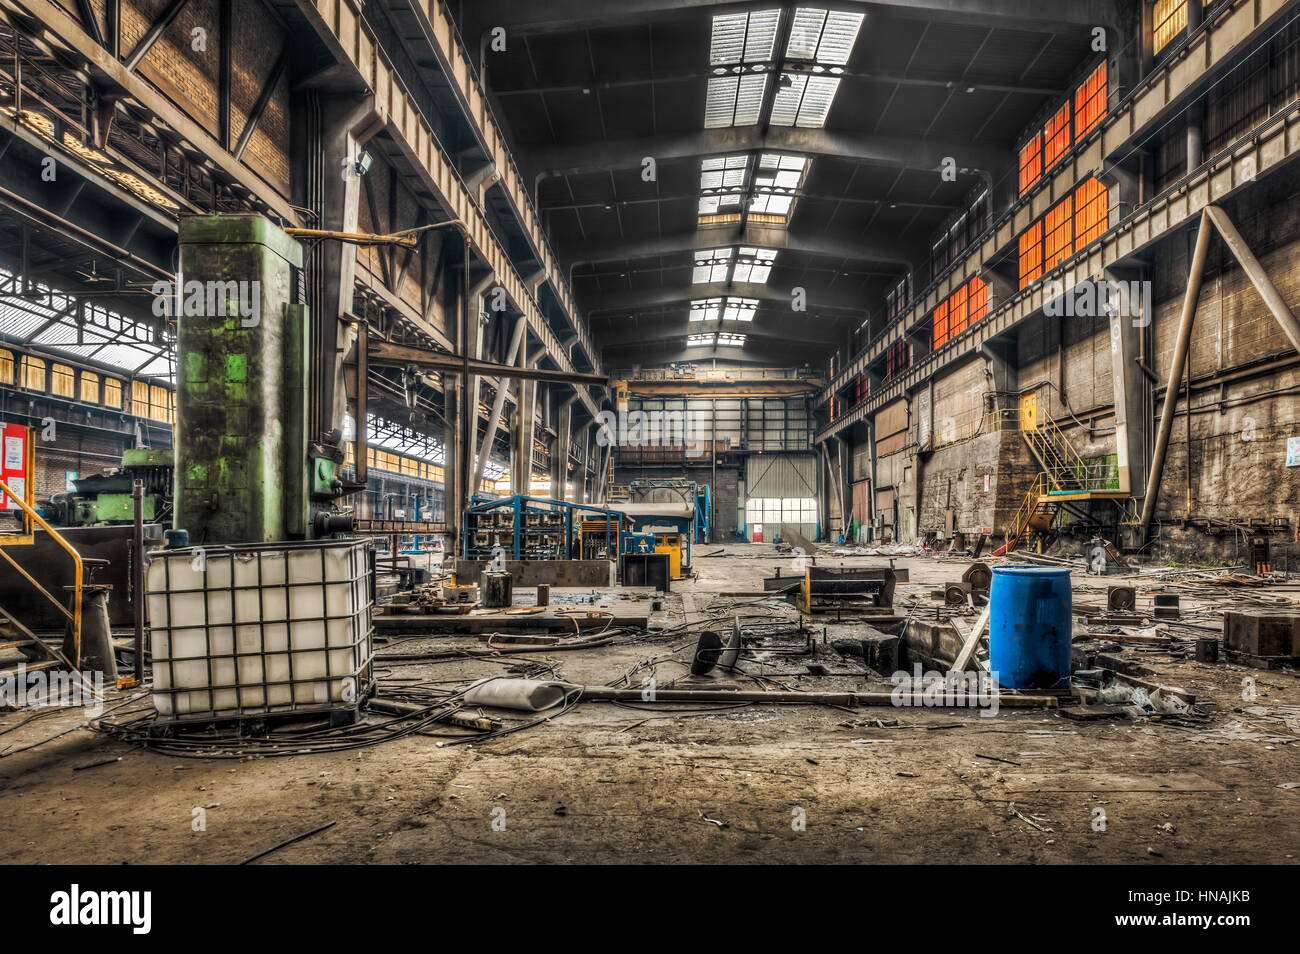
(1212, 218)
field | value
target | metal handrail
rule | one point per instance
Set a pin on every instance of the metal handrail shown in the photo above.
(1028, 507)
(78, 571)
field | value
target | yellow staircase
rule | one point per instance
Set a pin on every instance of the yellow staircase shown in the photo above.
(1064, 476)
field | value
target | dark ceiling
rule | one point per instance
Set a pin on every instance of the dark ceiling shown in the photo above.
(586, 88)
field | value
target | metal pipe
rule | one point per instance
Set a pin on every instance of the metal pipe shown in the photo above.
(361, 440)
(137, 577)
(1181, 344)
(606, 694)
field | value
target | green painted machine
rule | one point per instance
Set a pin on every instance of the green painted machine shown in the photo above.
(242, 473)
(102, 500)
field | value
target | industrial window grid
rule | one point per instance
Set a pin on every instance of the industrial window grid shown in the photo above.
(1073, 120)
(1031, 162)
(898, 357)
(1031, 254)
(899, 297)
(1056, 136)
(33, 373)
(964, 308)
(6, 367)
(1058, 233)
(89, 387)
(1169, 18)
(63, 380)
(1068, 226)
(1090, 212)
(1090, 101)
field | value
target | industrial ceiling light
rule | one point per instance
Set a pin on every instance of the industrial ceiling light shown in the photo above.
(785, 82)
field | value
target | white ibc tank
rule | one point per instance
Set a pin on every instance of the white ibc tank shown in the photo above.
(259, 629)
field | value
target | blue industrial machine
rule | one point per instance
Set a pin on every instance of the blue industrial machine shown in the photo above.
(537, 528)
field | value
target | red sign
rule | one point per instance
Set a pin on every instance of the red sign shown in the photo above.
(13, 464)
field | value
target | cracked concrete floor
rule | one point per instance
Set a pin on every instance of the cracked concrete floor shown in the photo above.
(609, 784)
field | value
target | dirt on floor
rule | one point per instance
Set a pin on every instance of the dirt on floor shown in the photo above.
(722, 783)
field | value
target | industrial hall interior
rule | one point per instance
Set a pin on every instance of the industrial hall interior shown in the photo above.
(649, 431)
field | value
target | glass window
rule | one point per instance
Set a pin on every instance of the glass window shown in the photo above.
(89, 387)
(63, 381)
(1168, 20)
(112, 393)
(33, 373)
(1031, 162)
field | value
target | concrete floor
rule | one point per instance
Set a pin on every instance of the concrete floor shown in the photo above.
(606, 783)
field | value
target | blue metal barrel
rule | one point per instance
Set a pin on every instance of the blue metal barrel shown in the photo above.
(1030, 627)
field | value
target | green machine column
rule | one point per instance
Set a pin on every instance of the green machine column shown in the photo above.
(241, 389)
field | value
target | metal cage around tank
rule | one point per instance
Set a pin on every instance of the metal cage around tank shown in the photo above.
(249, 631)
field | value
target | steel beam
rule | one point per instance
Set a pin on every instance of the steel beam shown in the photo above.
(873, 249)
(1212, 218)
(498, 402)
(802, 336)
(65, 31)
(562, 16)
(683, 294)
(884, 77)
(389, 354)
(894, 151)
(154, 33)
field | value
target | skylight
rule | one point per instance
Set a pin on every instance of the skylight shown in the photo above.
(726, 181)
(821, 36)
(821, 42)
(754, 264)
(715, 264)
(723, 309)
(806, 101)
(711, 265)
(47, 320)
(743, 37)
(724, 338)
(734, 100)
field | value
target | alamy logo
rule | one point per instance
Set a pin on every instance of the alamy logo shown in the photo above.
(1092, 299)
(242, 300)
(673, 429)
(42, 688)
(76, 907)
(946, 690)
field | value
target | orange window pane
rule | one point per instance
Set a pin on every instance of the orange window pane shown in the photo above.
(1031, 162)
(1058, 233)
(1031, 254)
(1090, 101)
(957, 312)
(1091, 212)
(1056, 136)
(941, 334)
(977, 301)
